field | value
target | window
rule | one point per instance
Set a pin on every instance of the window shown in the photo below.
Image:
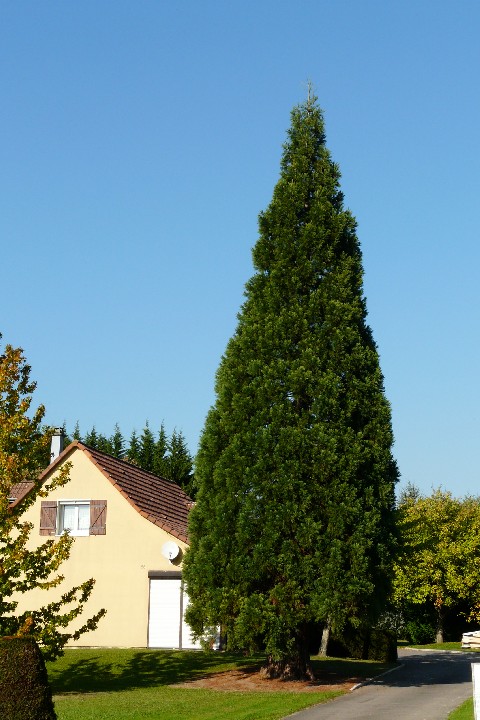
(73, 517)
(77, 517)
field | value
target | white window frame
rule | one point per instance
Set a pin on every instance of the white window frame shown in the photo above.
(76, 531)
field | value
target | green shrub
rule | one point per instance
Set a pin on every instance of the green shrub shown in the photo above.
(24, 690)
(364, 644)
(419, 632)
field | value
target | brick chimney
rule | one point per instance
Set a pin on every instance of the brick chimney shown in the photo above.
(56, 446)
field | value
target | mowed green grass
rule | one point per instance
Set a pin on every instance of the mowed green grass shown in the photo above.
(130, 684)
(464, 712)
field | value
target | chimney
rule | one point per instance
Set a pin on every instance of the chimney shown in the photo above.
(57, 443)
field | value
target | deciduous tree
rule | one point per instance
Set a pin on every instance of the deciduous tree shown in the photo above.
(294, 521)
(439, 564)
(23, 446)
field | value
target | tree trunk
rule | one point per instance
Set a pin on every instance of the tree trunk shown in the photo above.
(440, 628)
(291, 667)
(325, 638)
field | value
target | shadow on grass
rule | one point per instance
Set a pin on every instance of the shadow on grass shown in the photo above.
(83, 671)
(86, 671)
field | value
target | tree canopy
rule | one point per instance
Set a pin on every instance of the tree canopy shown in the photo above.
(294, 521)
(23, 448)
(439, 562)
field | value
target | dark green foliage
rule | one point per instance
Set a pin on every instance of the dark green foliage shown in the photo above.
(133, 452)
(91, 438)
(147, 449)
(117, 443)
(76, 431)
(294, 521)
(24, 690)
(104, 444)
(160, 453)
(179, 463)
(364, 644)
(420, 631)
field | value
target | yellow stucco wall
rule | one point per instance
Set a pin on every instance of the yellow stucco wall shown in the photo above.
(119, 560)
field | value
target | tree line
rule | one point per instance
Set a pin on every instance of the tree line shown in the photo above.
(165, 455)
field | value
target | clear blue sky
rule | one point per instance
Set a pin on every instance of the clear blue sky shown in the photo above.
(140, 140)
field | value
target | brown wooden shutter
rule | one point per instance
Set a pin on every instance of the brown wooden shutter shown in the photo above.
(48, 517)
(98, 517)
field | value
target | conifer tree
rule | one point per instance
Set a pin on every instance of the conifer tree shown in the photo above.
(179, 466)
(147, 448)
(294, 520)
(91, 438)
(133, 453)
(117, 443)
(76, 432)
(160, 453)
(104, 444)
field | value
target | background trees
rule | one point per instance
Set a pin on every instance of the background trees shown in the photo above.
(166, 456)
(294, 518)
(23, 448)
(438, 568)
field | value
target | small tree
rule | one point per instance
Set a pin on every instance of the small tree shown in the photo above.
(22, 448)
(294, 520)
(439, 563)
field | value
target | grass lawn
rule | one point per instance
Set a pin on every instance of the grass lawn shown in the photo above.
(464, 712)
(136, 684)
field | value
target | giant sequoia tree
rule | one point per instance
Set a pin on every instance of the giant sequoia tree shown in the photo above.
(294, 517)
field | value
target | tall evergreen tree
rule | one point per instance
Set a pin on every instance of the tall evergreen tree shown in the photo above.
(294, 520)
(117, 443)
(133, 452)
(160, 453)
(91, 438)
(147, 448)
(104, 444)
(76, 431)
(179, 465)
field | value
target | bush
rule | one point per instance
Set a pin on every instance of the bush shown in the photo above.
(419, 632)
(24, 690)
(364, 644)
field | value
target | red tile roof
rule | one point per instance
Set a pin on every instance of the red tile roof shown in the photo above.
(18, 492)
(160, 501)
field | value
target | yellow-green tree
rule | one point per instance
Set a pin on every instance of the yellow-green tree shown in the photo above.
(439, 564)
(23, 447)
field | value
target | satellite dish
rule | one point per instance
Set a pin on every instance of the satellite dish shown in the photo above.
(170, 550)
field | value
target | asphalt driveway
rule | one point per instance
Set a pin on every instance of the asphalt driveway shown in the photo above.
(427, 685)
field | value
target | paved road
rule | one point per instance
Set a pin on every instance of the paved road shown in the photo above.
(427, 686)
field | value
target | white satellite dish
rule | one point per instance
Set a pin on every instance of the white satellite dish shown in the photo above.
(170, 550)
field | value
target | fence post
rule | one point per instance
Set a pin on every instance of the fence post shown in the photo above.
(476, 689)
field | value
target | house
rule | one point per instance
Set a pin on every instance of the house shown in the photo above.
(130, 530)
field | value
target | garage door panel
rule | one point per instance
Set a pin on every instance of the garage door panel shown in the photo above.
(164, 614)
(166, 626)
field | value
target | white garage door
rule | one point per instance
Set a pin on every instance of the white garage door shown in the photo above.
(166, 625)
